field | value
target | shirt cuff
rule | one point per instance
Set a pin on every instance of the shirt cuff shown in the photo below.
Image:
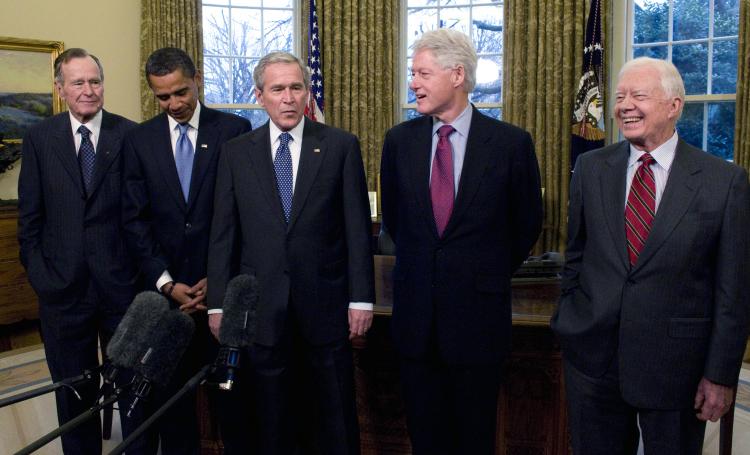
(163, 279)
(215, 311)
(360, 306)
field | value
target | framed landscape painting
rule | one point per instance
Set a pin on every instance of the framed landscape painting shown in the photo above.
(27, 92)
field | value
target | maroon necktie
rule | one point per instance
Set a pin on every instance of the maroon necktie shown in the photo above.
(441, 182)
(641, 207)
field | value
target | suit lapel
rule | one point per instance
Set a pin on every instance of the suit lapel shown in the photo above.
(475, 164)
(682, 186)
(612, 184)
(419, 150)
(107, 149)
(206, 146)
(312, 154)
(259, 152)
(164, 156)
(65, 149)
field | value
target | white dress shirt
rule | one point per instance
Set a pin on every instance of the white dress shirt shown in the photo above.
(94, 125)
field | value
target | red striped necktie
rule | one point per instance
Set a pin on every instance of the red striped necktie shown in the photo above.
(641, 207)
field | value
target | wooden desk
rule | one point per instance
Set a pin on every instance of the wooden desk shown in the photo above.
(531, 408)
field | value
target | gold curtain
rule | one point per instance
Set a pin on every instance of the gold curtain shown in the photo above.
(742, 109)
(360, 67)
(542, 64)
(168, 23)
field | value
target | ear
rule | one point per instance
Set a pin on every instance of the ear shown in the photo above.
(259, 97)
(198, 78)
(59, 88)
(458, 76)
(675, 105)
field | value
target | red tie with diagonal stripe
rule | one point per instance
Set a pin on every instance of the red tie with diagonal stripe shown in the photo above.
(641, 207)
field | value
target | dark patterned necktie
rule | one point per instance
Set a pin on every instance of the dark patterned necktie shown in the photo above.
(86, 157)
(183, 158)
(641, 207)
(282, 164)
(441, 182)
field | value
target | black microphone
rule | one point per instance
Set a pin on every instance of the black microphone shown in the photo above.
(159, 360)
(238, 325)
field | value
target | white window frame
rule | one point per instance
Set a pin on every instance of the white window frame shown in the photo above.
(297, 27)
(623, 48)
(404, 55)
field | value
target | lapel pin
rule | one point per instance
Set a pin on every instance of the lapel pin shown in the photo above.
(204, 146)
(316, 150)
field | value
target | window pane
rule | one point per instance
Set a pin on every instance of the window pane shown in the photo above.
(215, 31)
(422, 3)
(651, 21)
(257, 3)
(659, 52)
(721, 130)
(419, 21)
(690, 19)
(487, 29)
(410, 97)
(277, 28)
(455, 2)
(242, 72)
(456, 18)
(217, 79)
(494, 113)
(410, 114)
(257, 117)
(692, 61)
(246, 32)
(690, 126)
(278, 3)
(725, 67)
(489, 80)
(726, 17)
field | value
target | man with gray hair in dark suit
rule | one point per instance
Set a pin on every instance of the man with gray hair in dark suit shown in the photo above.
(70, 237)
(654, 308)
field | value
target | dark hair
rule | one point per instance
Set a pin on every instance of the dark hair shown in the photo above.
(167, 60)
(70, 54)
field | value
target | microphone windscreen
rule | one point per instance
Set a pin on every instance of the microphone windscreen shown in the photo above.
(166, 347)
(136, 328)
(239, 312)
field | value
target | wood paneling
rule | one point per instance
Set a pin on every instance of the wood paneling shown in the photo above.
(17, 300)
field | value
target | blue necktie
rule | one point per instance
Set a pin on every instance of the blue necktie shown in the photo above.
(86, 157)
(183, 158)
(282, 164)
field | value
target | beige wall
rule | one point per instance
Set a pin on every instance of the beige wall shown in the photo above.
(110, 29)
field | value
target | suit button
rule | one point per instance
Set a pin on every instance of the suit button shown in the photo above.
(188, 226)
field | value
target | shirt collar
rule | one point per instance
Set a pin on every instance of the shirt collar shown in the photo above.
(295, 132)
(461, 123)
(94, 125)
(663, 154)
(193, 122)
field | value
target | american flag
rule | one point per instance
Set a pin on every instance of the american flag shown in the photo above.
(314, 108)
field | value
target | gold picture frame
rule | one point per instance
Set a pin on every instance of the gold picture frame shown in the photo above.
(27, 88)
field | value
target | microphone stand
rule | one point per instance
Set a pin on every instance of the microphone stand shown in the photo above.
(189, 385)
(87, 375)
(71, 424)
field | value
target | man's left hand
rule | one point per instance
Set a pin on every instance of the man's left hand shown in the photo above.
(359, 322)
(198, 295)
(712, 400)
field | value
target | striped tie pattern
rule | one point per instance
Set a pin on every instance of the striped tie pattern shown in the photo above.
(641, 207)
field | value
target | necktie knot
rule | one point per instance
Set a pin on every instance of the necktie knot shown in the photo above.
(183, 127)
(445, 131)
(646, 159)
(285, 138)
(84, 132)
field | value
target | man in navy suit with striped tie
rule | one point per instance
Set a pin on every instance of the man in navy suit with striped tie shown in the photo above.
(70, 237)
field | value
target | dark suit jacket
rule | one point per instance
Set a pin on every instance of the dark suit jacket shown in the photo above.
(681, 312)
(66, 236)
(455, 290)
(164, 232)
(321, 260)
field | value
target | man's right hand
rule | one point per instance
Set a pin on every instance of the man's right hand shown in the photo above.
(214, 323)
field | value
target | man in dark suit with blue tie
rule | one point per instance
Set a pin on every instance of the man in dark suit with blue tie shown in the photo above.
(654, 308)
(462, 201)
(70, 237)
(292, 209)
(169, 175)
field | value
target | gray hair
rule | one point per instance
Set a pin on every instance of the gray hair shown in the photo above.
(279, 57)
(70, 54)
(451, 49)
(669, 76)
